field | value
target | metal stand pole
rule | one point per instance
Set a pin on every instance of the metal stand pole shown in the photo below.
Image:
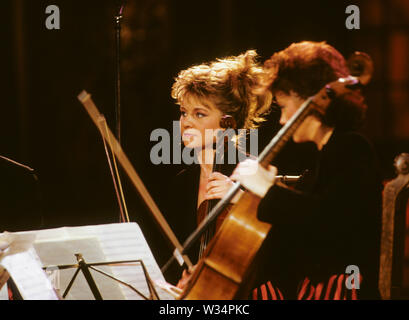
(118, 19)
(91, 282)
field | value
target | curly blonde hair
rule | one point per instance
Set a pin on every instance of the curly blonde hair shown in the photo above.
(231, 83)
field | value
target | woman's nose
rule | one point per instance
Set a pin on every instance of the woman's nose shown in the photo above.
(186, 122)
(283, 119)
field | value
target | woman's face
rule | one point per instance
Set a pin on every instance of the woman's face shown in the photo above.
(197, 116)
(289, 104)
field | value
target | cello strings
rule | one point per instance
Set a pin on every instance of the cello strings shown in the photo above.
(209, 233)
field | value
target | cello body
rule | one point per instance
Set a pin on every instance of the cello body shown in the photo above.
(224, 274)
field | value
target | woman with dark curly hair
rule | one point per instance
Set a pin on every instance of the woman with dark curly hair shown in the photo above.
(206, 93)
(330, 223)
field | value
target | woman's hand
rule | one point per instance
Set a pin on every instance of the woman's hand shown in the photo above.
(254, 177)
(186, 275)
(218, 186)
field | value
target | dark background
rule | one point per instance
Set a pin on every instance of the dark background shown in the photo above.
(44, 126)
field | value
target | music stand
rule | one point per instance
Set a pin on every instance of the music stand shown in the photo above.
(84, 267)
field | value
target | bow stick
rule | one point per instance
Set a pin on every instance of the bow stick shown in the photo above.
(116, 148)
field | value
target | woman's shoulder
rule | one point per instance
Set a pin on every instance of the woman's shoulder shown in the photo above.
(354, 137)
(352, 141)
(351, 146)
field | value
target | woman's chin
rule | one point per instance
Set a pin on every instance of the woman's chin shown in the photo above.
(299, 139)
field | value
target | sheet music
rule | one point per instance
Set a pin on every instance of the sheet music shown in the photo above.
(125, 241)
(116, 242)
(22, 264)
(61, 252)
(4, 293)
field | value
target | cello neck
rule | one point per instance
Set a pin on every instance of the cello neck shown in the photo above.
(209, 204)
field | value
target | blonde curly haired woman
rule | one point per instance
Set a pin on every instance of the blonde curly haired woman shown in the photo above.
(206, 93)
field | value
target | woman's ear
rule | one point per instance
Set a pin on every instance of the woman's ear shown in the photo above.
(228, 122)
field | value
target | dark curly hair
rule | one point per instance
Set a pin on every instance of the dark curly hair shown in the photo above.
(305, 68)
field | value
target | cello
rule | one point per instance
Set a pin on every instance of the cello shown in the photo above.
(224, 272)
(227, 122)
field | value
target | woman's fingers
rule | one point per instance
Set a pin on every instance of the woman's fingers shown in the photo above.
(218, 185)
(215, 195)
(192, 269)
(217, 176)
(246, 168)
(227, 183)
(254, 177)
(186, 275)
(217, 189)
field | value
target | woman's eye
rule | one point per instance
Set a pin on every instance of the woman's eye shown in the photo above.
(183, 113)
(200, 115)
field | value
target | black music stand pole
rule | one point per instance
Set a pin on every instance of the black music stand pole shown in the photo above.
(118, 19)
(82, 266)
(91, 282)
